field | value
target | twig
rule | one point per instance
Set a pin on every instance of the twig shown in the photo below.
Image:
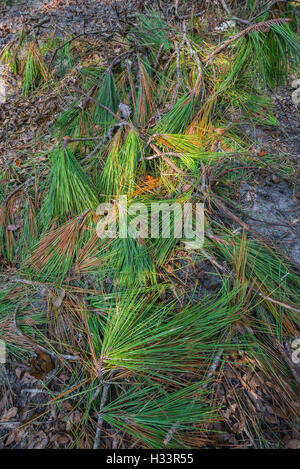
(185, 17)
(17, 189)
(263, 26)
(67, 140)
(226, 8)
(106, 138)
(40, 391)
(234, 217)
(212, 260)
(216, 178)
(29, 282)
(196, 57)
(131, 83)
(179, 76)
(42, 22)
(279, 303)
(169, 153)
(167, 160)
(267, 298)
(245, 226)
(158, 56)
(117, 59)
(214, 365)
(93, 152)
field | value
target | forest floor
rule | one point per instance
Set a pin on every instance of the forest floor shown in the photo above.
(258, 407)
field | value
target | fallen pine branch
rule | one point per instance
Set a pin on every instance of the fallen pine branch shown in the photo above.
(104, 398)
(212, 370)
(40, 347)
(264, 26)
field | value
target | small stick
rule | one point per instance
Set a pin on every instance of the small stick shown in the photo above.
(268, 9)
(262, 26)
(39, 391)
(117, 59)
(93, 152)
(234, 217)
(212, 260)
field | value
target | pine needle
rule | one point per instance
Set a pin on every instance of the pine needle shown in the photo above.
(70, 192)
